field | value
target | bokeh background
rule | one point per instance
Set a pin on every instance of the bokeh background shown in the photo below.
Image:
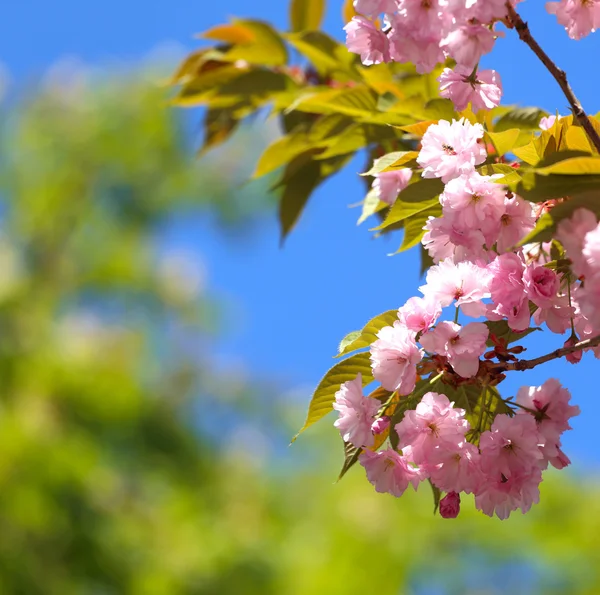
(158, 348)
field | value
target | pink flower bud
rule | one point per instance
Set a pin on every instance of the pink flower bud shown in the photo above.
(450, 505)
(575, 357)
(380, 425)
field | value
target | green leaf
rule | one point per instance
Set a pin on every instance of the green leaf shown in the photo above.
(501, 330)
(306, 14)
(297, 190)
(539, 188)
(371, 205)
(369, 332)
(391, 162)
(510, 176)
(436, 496)
(415, 198)
(282, 151)
(413, 226)
(524, 118)
(324, 53)
(576, 166)
(266, 48)
(504, 141)
(351, 454)
(348, 340)
(440, 109)
(324, 396)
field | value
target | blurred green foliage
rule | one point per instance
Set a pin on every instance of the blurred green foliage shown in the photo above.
(131, 463)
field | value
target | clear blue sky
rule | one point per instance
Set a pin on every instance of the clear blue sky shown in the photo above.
(296, 303)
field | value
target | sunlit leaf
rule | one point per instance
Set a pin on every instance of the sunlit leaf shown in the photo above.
(306, 14)
(369, 332)
(392, 161)
(324, 396)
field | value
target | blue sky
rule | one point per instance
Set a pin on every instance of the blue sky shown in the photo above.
(294, 304)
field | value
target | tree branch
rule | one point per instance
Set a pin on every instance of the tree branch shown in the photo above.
(524, 33)
(528, 364)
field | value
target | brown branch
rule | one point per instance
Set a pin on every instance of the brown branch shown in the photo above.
(528, 364)
(524, 33)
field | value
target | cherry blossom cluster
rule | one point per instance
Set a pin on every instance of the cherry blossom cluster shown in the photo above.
(427, 32)
(479, 270)
(503, 470)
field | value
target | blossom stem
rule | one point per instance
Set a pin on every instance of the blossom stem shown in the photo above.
(528, 364)
(522, 29)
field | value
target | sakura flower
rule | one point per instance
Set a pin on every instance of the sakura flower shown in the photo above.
(482, 90)
(433, 424)
(516, 222)
(466, 44)
(389, 472)
(419, 314)
(457, 470)
(373, 8)
(449, 150)
(547, 122)
(450, 505)
(389, 184)
(477, 202)
(447, 238)
(552, 402)
(420, 46)
(508, 291)
(502, 495)
(512, 446)
(541, 285)
(572, 233)
(486, 11)
(380, 425)
(356, 413)
(557, 316)
(465, 282)
(461, 345)
(394, 358)
(575, 357)
(363, 38)
(579, 17)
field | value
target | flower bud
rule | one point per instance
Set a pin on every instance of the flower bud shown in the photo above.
(380, 425)
(575, 357)
(450, 505)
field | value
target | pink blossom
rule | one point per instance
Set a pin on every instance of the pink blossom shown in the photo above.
(380, 425)
(421, 47)
(389, 472)
(557, 316)
(541, 285)
(591, 252)
(450, 505)
(363, 38)
(462, 346)
(446, 237)
(457, 469)
(560, 461)
(373, 8)
(516, 222)
(587, 298)
(389, 184)
(419, 314)
(501, 495)
(547, 122)
(508, 291)
(575, 357)
(434, 424)
(449, 150)
(356, 413)
(512, 446)
(394, 358)
(482, 90)
(552, 401)
(467, 43)
(579, 17)
(572, 233)
(487, 11)
(465, 282)
(477, 202)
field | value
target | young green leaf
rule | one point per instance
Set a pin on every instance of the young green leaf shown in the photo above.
(306, 14)
(324, 396)
(369, 332)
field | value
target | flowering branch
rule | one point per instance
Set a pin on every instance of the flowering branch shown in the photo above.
(522, 28)
(528, 364)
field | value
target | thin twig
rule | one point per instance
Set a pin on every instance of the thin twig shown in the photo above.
(524, 33)
(528, 364)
